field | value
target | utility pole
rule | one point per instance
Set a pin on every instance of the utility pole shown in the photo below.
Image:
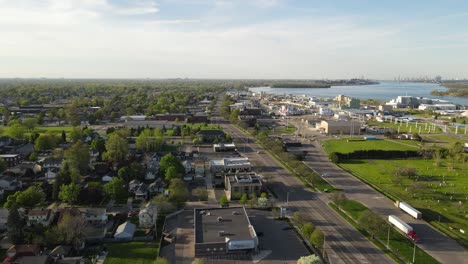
(287, 198)
(414, 252)
(323, 246)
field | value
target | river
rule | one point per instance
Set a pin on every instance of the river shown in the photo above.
(385, 91)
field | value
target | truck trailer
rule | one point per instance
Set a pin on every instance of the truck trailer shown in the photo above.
(409, 209)
(403, 227)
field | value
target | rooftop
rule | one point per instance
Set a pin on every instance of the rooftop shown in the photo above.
(214, 225)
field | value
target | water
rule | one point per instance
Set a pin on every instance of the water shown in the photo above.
(384, 91)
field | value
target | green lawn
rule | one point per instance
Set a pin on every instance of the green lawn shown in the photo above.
(420, 128)
(348, 145)
(132, 252)
(443, 194)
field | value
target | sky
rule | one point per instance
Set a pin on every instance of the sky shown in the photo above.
(297, 39)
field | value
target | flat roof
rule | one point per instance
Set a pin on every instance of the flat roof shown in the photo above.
(234, 224)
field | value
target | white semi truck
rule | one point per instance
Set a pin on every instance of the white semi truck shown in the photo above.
(409, 209)
(403, 227)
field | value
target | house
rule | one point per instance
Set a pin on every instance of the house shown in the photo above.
(24, 150)
(151, 174)
(5, 141)
(210, 135)
(125, 231)
(133, 185)
(11, 159)
(187, 165)
(3, 218)
(10, 183)
(141, 192)
(156, 187)
(94, 215)
(39, 217)
(51, 174)
(147, 216)
(106, 178)
(61, 251)
(33, 260)
(25, 169)
(71, 260)
(199, 168)
(23, 250)
(52, 163)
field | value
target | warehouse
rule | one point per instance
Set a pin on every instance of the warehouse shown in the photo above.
(223, 231)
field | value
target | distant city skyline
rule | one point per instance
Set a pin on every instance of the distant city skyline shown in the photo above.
(259, 39)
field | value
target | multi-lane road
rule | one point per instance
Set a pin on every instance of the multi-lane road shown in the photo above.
(343, 243)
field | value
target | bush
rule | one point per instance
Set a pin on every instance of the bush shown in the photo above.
(307, 229)
(317, 238)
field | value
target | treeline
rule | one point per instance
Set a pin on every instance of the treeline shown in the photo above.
(374, 154)
(454, 89)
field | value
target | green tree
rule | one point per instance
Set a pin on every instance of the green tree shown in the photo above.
(64, 136)
(16, 131)
(15, 225)
(28, 198)
(99, 145)
(30, 123)
(307, 229)
(161, 260)
(46, 141)
(171, 173)
(165, 207)
(372, 222)
(170, 161)
(198, 261)
(69, 193)
(3, 165)
(73, 228)
(223, 201)
(126, 174)
(72, 114)
(243, 199)
(78, 154)
(178, 192)
(299, 218)
(338, 198)
(116, 189)
(334, 157)
(317, 238)
(116, 149)
(76, 134)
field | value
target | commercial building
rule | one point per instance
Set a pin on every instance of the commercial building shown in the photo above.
(338, 127)
(11, 159)
(224, 147)
(223, 231)
(230, 164)
(241, 183)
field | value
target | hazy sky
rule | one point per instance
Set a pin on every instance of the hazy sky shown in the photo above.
(233, 38)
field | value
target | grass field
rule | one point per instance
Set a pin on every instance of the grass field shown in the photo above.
(348, 145)
(443, 192)
(132, 252)
(398, 243)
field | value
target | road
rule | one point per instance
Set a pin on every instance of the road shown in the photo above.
(343, 243)
(441, 247)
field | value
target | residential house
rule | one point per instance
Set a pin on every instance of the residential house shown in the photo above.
(23, 250)
(125, 231)
(24, 150)
(5, 141)
(51, 174)
(10, 183)
(3, 218)
(39, 217)
(199, 168)
(150, 174)
(52, 163)
(156, 187)
(25, 169)
(148, 215)
(33, 260)
(141, 193)
(11, 159)
(94, 215)
(106, 178)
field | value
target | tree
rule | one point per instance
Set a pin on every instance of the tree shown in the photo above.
(99, 145)
(338, 198)
(46, 141)
(201, 193)
(263, 195)
(76, 134)
(312, 259)
(455, 151)
(373, 223)
(170, 161)
(116, 148)
(73, 228)
(16, 131)
(307, 229)
(72, 114)
(15, 224)
(64, 136)
(223, 201)
(334, 157)
(150, 140)
(79, 155)
(262, 202)
(243, 199)
(164, 206)
(317, 238)
(28, 198)
(253, 200)
(116, 189)
(30, 123)
(69, 193)
(3, 165)
(171, 173)
(198, 261)
(299, 218)
(178, 192)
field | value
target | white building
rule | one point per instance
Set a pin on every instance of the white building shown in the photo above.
(230, 164)
(437, 107)
(325, 111)
(94, 215)
(39, 217)
(125, 231)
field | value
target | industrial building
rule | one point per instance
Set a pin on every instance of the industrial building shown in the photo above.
(223, 232)
(224, 147)
(242, 183)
